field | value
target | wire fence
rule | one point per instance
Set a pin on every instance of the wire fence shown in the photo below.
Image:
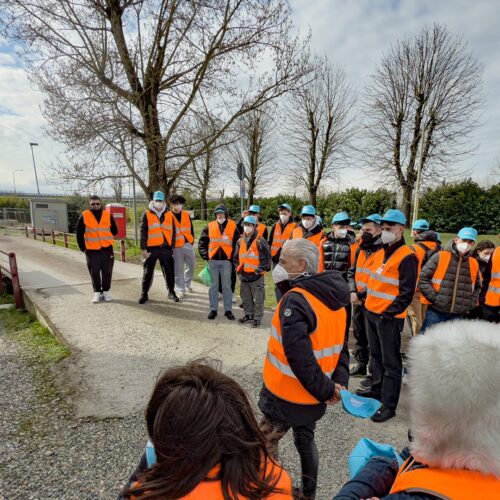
(12, 217)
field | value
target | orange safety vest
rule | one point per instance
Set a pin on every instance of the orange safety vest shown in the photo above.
(364, 268)
(420, 252)
(211, 489)
(492, 297)
(352, 255)
(442, 267)
(447, 484)
(158, 231)
(327, 343)
(279, 237)
(97, 234)
(218, 240)
(182, 229)
(261, 228)
(383, 283)
(249, 257)
(317, 239)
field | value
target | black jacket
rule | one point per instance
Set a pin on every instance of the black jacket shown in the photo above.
(80, 232)
(276, 258)
(144, 231)
(337, 253)
(332, 290)
(264, 258)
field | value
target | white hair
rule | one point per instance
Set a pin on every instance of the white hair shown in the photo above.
(302, 249)
(455, 397)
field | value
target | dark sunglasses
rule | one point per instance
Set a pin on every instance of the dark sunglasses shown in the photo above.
(95, 204)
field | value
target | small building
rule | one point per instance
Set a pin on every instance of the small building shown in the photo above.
(49, 214)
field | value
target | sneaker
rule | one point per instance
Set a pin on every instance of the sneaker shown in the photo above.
(256, 323)
(358, 370)
(245, 319)
(367, 382)
(144, 298)
(404, 376)
(233, 298)
(97, 297)
(383, 414)
(367, 393)
(180, 295)
(106, 297)
(172, 296)
(212, 314)
(190, 289)
(229, 315)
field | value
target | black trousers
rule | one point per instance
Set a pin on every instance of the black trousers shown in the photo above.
(303, 438)
(491, 313)
(384, 338)
(361, 351)
(165, 257)
(100, 265)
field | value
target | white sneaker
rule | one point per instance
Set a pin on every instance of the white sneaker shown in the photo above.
(97, 297)
(190, 289)
(180, 294)
(233, 299)
(106, 297)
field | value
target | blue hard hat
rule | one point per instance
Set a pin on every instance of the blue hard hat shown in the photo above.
(255, 209)
(395, 216)
(250, 219)
(467, 233)
(359, 406)
(421, 225)
(308, 210)
(286, 206)
(158, 196)
(341, 217)
(375, 218)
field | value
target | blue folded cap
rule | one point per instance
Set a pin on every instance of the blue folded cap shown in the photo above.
(158, 196)
(286, 205)
(341, 218)
(365, 450)
(150, 454)
(255, 209)
(250, 219)
(467, 233)
(359, 406)
(308, 210)
(395, 216)
(421, 225)
(376, 218)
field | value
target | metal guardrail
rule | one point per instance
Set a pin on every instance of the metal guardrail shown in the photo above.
(55, 236)
(14, 277)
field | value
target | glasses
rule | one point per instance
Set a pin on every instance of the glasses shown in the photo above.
(95, 204)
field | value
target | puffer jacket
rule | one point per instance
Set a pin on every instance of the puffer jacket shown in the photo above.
(457, 294)
(337, 253)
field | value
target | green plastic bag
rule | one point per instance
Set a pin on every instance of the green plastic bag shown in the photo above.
(205, 277)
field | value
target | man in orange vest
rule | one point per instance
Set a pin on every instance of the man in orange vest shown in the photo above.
(252, 259)
(216, 245)
(183, 251)
(455, 421)
(307, 360)
(390, 290)
(280, 232)
(450, 282)
(95, 233)
(425, 246)
(490, 296)
(157, 242)
(253, 211)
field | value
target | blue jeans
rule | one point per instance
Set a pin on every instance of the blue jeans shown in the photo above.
(220, 270)
(433, 317)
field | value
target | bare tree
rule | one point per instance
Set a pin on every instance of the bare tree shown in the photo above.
(109, 68)
(320, 128)
(421, 105)
(117, 187)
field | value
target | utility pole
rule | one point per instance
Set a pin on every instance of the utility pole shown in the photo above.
(134, 207)
(34, 165)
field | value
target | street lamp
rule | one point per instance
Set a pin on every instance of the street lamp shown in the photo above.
(14, 178)
(34, 165)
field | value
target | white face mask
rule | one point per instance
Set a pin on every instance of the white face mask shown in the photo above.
(463, 247)
(279, 274)
(177, 208)
(388, 237)
(485, 258)
(340, 233)
(221, 218)
(248, 229)
(158, 205)
(284, 218)
(307, 223)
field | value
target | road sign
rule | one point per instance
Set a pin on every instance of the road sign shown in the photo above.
(240, 171)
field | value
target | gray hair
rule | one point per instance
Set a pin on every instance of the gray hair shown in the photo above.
(302, 249)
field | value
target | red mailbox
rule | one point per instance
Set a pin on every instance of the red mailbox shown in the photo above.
(119, 212)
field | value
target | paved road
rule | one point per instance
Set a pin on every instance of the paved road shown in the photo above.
(120, 348)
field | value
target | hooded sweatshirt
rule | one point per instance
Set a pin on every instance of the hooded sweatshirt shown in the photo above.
(331, 289)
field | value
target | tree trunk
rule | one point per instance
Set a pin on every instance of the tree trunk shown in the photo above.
(313, 196)
(203, 204)
(407, 202)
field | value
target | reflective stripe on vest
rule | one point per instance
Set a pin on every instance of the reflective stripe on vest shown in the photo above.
(97, 234)
(363, 270)
(158, 231)
(327, 342)
(223, 241)
(249, 257)
(446, 484)
(383, 283)
(182, 229)
(492, 297)
(279, 237)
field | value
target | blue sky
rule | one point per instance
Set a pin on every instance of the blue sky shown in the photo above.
(353, 33)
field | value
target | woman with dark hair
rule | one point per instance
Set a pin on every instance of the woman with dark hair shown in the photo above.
(482, 254)
(207, 442)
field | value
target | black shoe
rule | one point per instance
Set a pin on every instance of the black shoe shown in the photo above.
(212, 314)
(358, 370)
(245, 319)
(367, 393)
(172, 296)
(144, 298)
(229, 315)
(256, 323)
(383, 414)
(241, 306)
(367, 382)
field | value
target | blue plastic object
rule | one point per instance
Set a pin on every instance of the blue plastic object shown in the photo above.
(394, 215)
(467, 233)
(286, 205)
(308, 210)
(150, 454)
(359, 406)
(250, 219)
(158, 196)
(340, 217)
(255, 209)
(365, 450)
(421, 225)
(376, 218)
